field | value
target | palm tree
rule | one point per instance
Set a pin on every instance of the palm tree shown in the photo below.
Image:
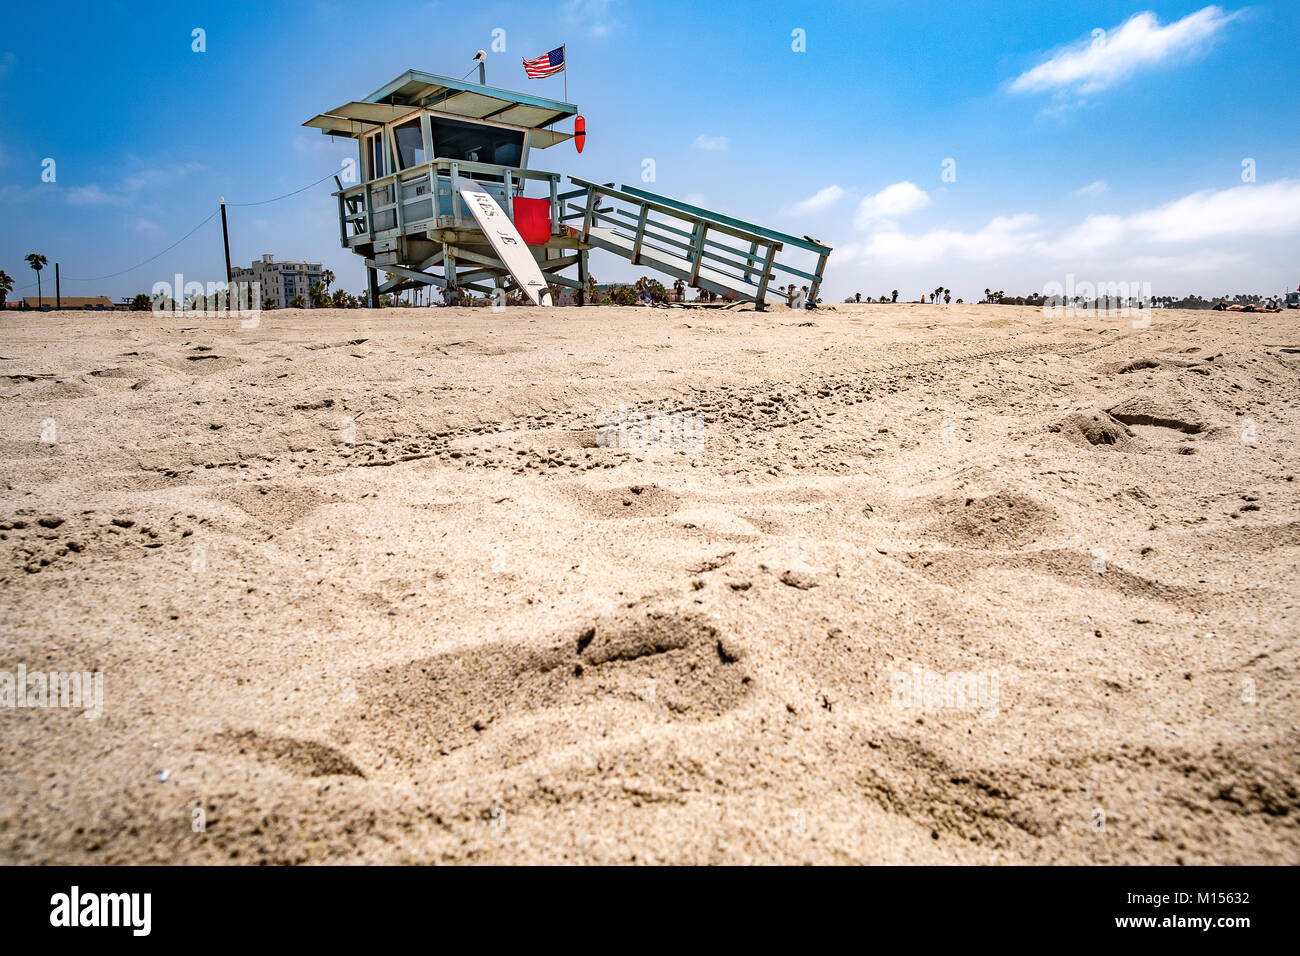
(679, 290)
(593, 291)
(947, 296)
(893, 296)
(298, 303)
(37, 262)
(6, 286)
(327, 277)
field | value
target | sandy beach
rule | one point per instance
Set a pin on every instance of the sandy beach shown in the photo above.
(867, 584)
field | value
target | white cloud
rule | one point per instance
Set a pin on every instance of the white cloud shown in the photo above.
(147, 227)
(152, 177)
(896, 200)
(1002, 237)
(1263, 211)
(1238, 238)
(15, 193)
(1096, 188)
(822, 199)
(592, 14)
(1088, 237)
(1140, 43)
(1194, 263)
(91, 195)
(712, 144)
(1266, 209)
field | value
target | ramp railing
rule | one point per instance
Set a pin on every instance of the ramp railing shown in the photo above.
(686, 241)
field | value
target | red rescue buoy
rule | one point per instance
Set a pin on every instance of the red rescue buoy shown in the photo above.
(580, 132)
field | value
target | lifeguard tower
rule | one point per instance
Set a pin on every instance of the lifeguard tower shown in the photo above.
(431, 148)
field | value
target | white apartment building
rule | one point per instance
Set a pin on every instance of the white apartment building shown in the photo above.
(281, 281)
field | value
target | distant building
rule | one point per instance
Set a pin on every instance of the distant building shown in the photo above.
(281, 281)
(94, 303)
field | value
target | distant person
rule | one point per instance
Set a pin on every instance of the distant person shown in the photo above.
(1250, 307)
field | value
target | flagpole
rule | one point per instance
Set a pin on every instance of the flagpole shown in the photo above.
(564, 47)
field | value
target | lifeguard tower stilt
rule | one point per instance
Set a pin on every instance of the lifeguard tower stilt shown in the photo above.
(429, 146)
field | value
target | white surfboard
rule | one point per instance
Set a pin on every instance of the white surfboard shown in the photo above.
(506, 241)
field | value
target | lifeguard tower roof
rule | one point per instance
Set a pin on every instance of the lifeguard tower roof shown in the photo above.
(461, 98)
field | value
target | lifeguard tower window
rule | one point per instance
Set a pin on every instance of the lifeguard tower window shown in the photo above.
(410, 144)
(376, 156)
(477, 144)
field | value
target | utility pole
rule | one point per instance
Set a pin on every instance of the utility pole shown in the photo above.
(58, 295)
(225, 238)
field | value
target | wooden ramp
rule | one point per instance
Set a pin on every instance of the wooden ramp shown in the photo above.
(688, 242)
(624, 245)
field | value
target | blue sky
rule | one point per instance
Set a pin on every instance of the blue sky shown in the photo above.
(1112, 156)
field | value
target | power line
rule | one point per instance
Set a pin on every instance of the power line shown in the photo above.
(113, 275)
(287, 195)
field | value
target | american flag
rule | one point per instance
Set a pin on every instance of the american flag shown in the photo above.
(545, 65)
